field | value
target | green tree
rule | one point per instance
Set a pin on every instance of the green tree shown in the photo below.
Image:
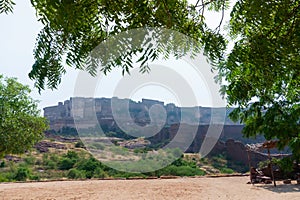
(20, 123)
(263, 69)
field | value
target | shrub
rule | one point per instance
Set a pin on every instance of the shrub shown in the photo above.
(140, 150)
(38, 162)
(2, 164)
(182, 162)
(100, 173)
(75, 174)
(54, 158)
(285, 165)
(226, 170)
(30, 160)
(3, 177)
(72, 155)
(22, 174)
(49, 164)
(263, 164)
(66, 164)
(89, 166)
(89, 174)
(79, 144)
(34, 177)
(181, 171)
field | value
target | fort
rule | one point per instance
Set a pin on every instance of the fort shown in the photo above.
(63, 114)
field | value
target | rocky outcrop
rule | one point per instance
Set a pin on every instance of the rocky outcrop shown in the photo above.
(135, 143)
(60, 138)
(13, 158)
(44, 146)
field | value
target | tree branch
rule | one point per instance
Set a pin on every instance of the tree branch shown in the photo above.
(203, 4)
(169, 14)
(222, 18)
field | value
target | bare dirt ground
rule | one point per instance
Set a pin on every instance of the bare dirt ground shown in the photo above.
(182, 188)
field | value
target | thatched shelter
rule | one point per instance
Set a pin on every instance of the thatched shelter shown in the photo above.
(258, 148)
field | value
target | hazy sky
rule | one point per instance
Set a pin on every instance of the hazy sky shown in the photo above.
(17, 39)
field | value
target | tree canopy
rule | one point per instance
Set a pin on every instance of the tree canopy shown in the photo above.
(74, 28)
(262, 70)
(20, 123)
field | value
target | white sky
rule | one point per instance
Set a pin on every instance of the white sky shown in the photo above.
(17, 39)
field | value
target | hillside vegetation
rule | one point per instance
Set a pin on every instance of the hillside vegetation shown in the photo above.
(70, 160)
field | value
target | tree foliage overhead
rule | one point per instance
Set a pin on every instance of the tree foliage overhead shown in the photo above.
(72, 29)
(20, 123)
(262, 70)
(6, 6)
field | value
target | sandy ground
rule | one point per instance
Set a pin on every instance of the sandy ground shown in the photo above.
(182, 188)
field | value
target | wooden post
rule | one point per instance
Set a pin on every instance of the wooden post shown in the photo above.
(271, 167)
(249, 161)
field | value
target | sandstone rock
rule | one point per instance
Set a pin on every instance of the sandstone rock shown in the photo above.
(44, 146)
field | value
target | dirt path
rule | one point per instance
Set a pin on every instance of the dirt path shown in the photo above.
(183, 188)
